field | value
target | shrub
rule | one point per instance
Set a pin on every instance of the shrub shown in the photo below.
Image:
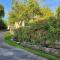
(8, 36)
(45, 33)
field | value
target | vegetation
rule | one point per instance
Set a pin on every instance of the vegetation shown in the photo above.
(1, 10)
(2, 24)
(45, 33)
(37, 52)
(42, 26)
(58, 11)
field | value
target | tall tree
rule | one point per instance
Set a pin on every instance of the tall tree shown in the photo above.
(2, 24)
(47, 12)
(25, 11)
(58, 11)
(33, 7)
(1, 11)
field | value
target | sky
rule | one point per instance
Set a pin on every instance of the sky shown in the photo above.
(51, 3)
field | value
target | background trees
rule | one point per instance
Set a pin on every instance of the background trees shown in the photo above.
(25, 12)
(58, 11)
(1, 11)
(2, 24)
(42, 27)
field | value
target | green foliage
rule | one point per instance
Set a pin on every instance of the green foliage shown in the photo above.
(58, 11)
(43, 26)
(33, 7)
(44, 33)
(46, 11)
(22, 34)
(8, 36)
(25, 11)
(1, 10)
(2, 25)
(37, 52)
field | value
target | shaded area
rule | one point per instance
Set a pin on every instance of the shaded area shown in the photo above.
(2, 25)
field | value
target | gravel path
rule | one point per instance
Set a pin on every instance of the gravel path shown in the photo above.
(11, 53)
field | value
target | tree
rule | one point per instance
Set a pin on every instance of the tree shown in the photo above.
(58, 11)
(47, 12)
(2, 24)
(34, 7)
(25, 11)
(1, 11)
(20, 9)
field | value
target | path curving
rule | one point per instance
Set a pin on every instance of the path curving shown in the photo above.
(11, 53)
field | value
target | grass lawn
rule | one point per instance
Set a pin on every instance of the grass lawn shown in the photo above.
(37, 52)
